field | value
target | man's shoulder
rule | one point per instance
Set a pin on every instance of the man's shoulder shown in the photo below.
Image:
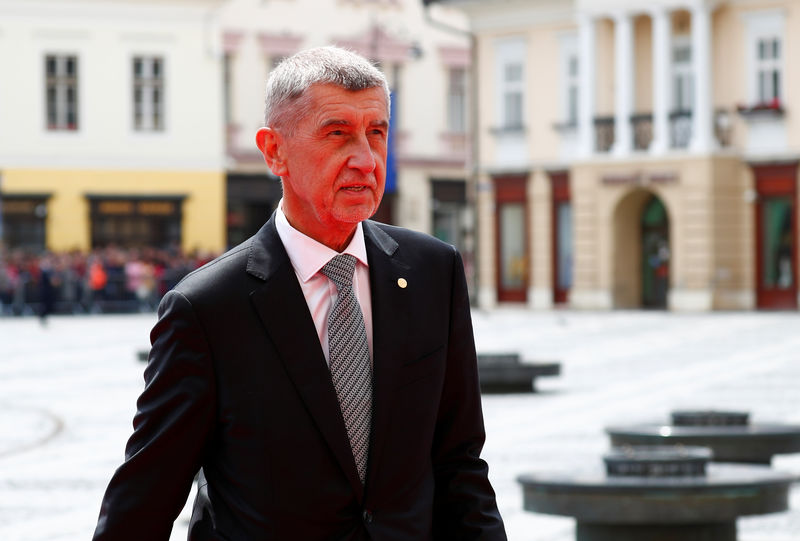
(224, 269)
(405, 238)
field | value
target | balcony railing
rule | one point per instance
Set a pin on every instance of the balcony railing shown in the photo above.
(603, 133)
(680, 129)
(642, 131)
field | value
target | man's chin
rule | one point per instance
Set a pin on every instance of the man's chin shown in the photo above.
(356, 214)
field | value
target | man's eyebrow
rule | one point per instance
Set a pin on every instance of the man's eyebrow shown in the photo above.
(335, 122)
(342, 122)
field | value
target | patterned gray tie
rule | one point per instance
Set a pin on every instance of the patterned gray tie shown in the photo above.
(349, 359)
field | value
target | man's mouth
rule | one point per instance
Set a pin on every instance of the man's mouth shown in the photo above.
(355, 188)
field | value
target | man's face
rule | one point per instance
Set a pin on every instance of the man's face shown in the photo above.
(334, 162)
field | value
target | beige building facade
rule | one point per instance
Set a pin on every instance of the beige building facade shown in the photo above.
(637, 155)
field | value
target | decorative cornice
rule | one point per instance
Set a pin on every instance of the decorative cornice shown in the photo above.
(231, 40)
(285, 44)
(377, 44)
(454, 56)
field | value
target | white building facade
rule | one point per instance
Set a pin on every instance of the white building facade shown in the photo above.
(110, 124)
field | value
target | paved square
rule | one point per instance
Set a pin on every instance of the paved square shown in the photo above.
(68, 392)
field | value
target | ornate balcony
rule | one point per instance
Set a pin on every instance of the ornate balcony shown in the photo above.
(680, 129)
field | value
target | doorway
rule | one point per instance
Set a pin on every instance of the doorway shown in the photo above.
(655, 254)
(562, 237)
(776, 238)
(511, 227)
(641, 255)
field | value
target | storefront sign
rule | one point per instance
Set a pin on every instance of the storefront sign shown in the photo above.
(640, 178)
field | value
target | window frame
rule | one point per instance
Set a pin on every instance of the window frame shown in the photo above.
(457, 82)
(61, 82)
(510, 53)
(569, 82)
(767, 25)
(681, 75)
(150, 114)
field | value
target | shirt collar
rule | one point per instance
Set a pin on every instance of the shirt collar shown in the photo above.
(306, 254)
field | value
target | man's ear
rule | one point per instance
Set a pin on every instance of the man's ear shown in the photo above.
(270, 143)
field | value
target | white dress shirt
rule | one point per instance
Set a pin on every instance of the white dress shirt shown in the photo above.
(309, 256)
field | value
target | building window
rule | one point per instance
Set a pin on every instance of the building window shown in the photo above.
(450, 211)
(570, 80)
(512, 96)
(511, 83)
(457, 100)
(768, 69)
(23, 225)
(148, 93)
(227, 76)
(682, 78)
(136, 222)
(765, 52)
(61, 89)
(572, 90)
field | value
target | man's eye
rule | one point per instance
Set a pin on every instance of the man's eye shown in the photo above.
(336, 132)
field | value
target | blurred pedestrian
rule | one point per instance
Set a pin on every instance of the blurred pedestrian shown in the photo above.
(47, 282)
(97, 282)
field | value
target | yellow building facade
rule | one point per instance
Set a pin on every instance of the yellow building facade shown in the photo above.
(79, 202)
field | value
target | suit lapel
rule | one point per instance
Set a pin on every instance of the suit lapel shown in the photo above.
(283, 311)
(391, 306)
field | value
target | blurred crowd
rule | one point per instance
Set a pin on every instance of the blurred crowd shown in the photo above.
(106, 280)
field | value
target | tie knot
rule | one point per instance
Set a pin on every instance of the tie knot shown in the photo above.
(340, 270)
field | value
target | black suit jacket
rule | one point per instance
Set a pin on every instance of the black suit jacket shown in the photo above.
(237, 385)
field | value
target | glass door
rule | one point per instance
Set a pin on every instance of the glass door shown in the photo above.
(562, 252)
(511, 239)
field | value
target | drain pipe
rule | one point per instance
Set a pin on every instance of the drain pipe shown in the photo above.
(473, 179)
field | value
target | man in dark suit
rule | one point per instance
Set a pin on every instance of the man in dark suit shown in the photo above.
(246, 382)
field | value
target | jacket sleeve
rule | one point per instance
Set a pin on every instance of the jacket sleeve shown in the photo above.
(172, 424)
(464, 501)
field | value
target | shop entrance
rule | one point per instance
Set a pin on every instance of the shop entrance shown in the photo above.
(511, 229)
(776, 240)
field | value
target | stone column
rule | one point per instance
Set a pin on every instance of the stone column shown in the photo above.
(702, 115)
(623, 83)
(586, 65)
(662, 86)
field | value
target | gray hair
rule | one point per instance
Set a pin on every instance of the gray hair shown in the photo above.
(289, 81)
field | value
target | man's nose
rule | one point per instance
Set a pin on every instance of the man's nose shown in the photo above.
(362, 157)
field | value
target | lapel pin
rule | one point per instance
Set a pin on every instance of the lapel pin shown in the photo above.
(402, 283)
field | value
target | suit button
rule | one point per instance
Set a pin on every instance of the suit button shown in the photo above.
(367, 516)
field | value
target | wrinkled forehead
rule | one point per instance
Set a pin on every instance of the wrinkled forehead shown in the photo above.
(329, 99)
(325, 92)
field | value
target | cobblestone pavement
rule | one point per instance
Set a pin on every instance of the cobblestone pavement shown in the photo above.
(68, 392)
